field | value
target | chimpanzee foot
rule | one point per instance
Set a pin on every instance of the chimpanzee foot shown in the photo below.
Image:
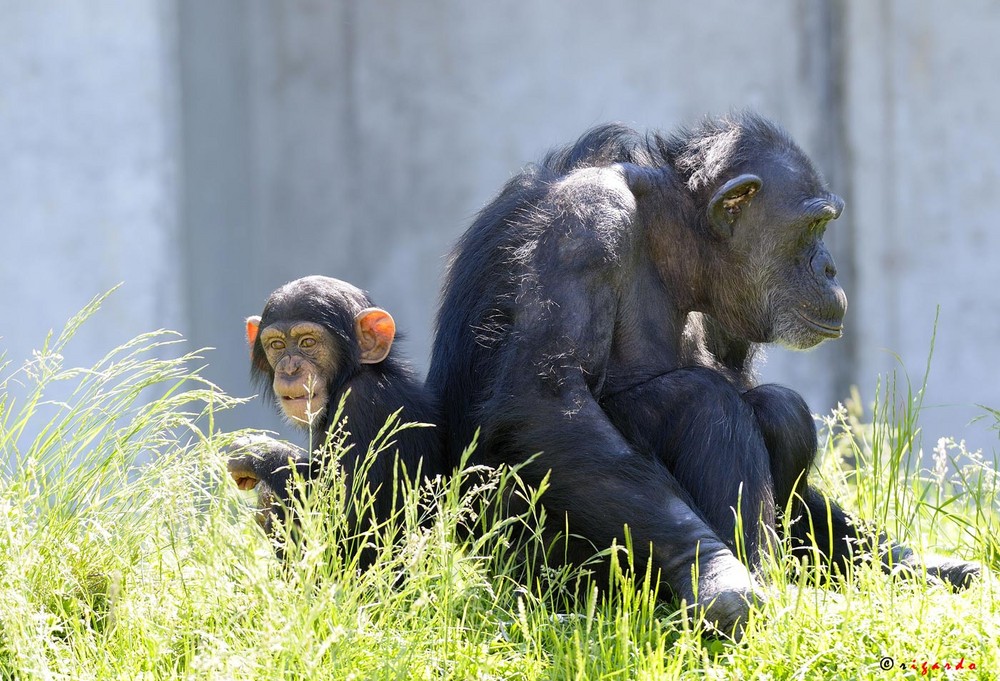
(959, 574)
(901, 561)
(726, 593)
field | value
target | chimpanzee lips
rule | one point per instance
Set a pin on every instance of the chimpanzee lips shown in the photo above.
(296, 398)
(827, 329)
(302, 407)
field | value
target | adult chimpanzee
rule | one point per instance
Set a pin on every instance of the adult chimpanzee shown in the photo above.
(604, 309)
(317, 338)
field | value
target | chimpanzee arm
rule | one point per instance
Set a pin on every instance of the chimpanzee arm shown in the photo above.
(544, 402)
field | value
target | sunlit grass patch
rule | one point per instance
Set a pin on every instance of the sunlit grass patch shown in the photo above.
(127, 552)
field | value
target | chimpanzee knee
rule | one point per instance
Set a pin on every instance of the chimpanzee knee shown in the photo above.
(693, 405)
(790, 435)
(700, 426)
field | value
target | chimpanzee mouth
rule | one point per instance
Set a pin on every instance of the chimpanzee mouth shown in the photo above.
(301, 409)
(298, 398)
(827, 329)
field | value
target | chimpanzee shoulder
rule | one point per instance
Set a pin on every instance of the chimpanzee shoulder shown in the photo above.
(584, 222)
(551, 215)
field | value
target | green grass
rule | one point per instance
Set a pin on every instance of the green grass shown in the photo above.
(114, 569)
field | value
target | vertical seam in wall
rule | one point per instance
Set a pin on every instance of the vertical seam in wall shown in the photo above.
(838, 46)
(887, 29)
(833, 117)
(183, 194)
(171, 296)
(352, 143)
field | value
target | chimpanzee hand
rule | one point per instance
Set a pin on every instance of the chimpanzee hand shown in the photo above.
(243, 463)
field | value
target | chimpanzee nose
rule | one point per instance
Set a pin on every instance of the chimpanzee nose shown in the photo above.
(288, 367)
(823, 265)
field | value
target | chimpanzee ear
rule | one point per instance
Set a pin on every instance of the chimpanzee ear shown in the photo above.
(375, 330)
(253, 327)
(729, 201)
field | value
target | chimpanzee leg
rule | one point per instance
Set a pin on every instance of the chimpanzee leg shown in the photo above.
(816, 521)
(702, 428)
(842, 541)
(790, 435)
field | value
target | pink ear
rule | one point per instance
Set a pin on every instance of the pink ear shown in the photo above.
(376, 330)
(253, 327)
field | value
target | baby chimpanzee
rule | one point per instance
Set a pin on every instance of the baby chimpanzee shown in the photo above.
(317, 338)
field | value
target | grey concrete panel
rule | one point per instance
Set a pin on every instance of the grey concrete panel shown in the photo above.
(358, 139)
(923, 136)
(88, 166)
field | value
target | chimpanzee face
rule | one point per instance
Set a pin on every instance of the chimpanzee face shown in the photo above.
(303, 358)
(779, 281)
(315, 335)
(808, 302)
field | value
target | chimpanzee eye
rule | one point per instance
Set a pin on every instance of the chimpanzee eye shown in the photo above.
(307, 342)
(276, 344)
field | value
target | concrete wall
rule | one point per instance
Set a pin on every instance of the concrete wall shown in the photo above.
(89, 158)
(357, 139)
(924, 150)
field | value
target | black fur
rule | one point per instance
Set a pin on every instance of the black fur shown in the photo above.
(599, 311)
